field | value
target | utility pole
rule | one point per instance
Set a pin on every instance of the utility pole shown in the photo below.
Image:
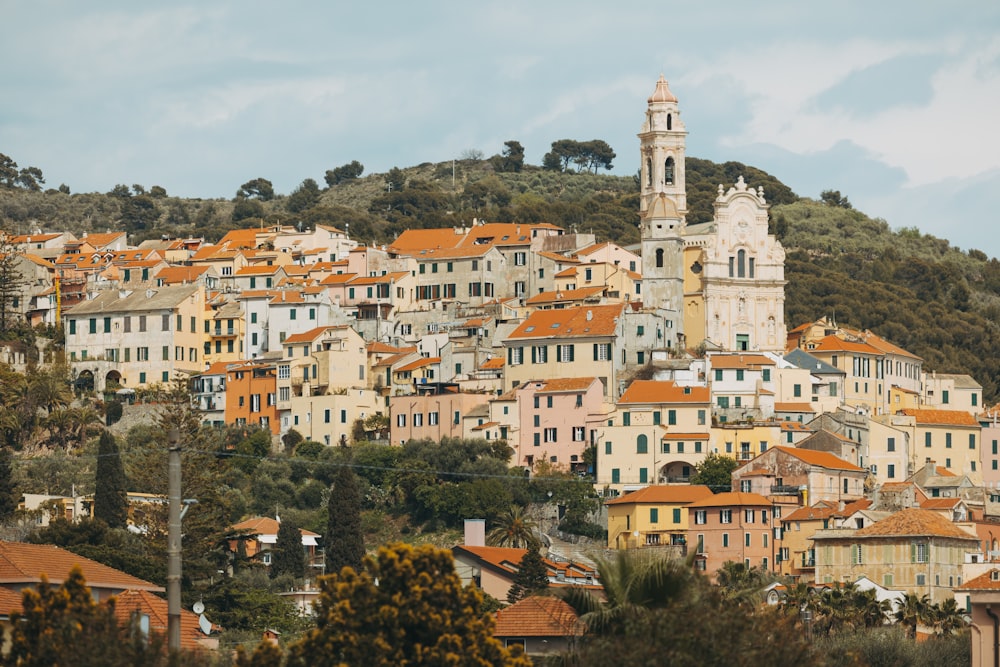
(174, 544)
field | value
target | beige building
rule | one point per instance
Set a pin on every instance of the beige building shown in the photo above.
(138, 338)
(655, 516)
(914, 550)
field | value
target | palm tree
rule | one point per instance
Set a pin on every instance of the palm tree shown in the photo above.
(513, 529)
(911, 611)
(870, 611)
(947, 617)
(634, 582)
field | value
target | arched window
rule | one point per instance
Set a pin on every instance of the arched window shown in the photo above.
(641, 444)
(649, 171)
(659, 258)
(668, 171)
(741, 264)
(670, 121)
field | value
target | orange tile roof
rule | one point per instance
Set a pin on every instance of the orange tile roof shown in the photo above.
(305, 336)
(180, 274)
(566, 384)
(338, 278)
(732, 498)
(10, 602)
(795, 426)
(419, 363)
(564, 295)
(852, 507)
(914, 521)
(987, 581)
(102, 239)
(506, 558)
(22, 563)
(377, 346)
(537, 616)
(420, 239)
(723, 361)
(603, 321)
(817, 512)
(833, 343)
(373, 280)
(817, 458)
(679, 494)
(793, 407)
(144, 602)
(566, 273)
(940, 503)
(663, 391)
(287, 296)
(461, 252)
(557, 257)
(240, 238)
(504, 233)
(257, 270)
(265, 525)
(684, 436)
(942, 417)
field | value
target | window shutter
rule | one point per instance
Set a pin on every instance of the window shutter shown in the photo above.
(595, 352)
(913, 553)
(534, 354)
(510, 356)
(572, 350)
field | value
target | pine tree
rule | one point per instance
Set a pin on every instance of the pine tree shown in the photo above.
(344, 543)
(110, 493)
(11, 284)
(8, 495)
(532, 576)
(288, 557)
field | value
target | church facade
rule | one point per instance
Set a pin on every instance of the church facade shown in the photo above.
(722, 281)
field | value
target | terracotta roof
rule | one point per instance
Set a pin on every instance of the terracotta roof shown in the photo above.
(307, 336)
(815, 513)
(834, 343)
(549, 324)
(987, 581)
(507, 558)
(257, 270)
(419, 363)
(181, 274)
(537, 616)
(793, 407)
(821, 459)
(567, 384)
(565, 295)
(492, 364)
(680, 493)
(943, 417)
(419, 239)
(795, 426)
(377, 346)
(102, 239)
(240, 238)
(556, 257)
(144, 602)
(746, 360)
(914, 522)
(940, 503)
(10, 602)
(265, 525)
(670, 435)
(852, 507)
(732, 498)
(22, 563)
(663, 391)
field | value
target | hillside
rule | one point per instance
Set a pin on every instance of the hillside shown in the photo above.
(935, 300)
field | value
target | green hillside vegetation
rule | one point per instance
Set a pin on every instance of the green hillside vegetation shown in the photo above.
(918, 291)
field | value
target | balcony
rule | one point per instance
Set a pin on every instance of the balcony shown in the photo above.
(808, 560)
(784, 490)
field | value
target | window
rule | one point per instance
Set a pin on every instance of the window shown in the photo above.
(765, 374)
(748, 516)
(142, 323)
(579, 433)
(725, 516)
(919, 552)
(891, 471)
(641, 444)
(565, 353)
(656, 417)
(718, 375)
(797, 390)
(891, 444)
(93, 325)
(654, 515)
(401, 420)
(602, 352)
(672, 417)
(540, 354)
(746, 539)
(700, 517)
(515, 356)
(142, 354)
(643, 475)
(972, 441)
(725, 539)
(745, 486)
(418, 419)
(548, 401)
(550, 434)
(520, 258)
(947, 440)
(944, 397)
(676, 515)
(640, 358)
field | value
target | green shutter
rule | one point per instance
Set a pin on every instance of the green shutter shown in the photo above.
(595, 352)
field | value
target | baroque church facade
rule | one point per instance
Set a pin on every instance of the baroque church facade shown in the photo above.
(721, 282)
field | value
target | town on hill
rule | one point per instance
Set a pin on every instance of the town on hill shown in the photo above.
(506, 389)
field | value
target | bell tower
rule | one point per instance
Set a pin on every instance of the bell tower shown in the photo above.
(662, 203)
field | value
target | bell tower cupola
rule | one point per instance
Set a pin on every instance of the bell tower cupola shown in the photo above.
(661, 143)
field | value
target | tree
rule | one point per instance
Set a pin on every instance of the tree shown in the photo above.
(110, 493)
(345, 172)
(511, 159)
(395, 180)
(913, 610)
(257, 188)
(532, 577)
(8, 492)
(245, 208)
(30, 178)
(344, 541)
(12, 284)
(834, 198)
(288, 557)
(634, 584)
(715, 472)
(405, 606)
(594, 154)
(303, 197)
(513, 529)
(563, 152)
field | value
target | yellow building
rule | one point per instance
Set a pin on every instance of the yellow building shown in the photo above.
(655, 516)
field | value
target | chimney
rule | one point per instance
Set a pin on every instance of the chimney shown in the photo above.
(475, 532)
(590, 315)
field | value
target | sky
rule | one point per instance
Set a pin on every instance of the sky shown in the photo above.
(894, 104)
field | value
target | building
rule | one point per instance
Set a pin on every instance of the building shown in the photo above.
(801, 476)
(655, 516)
(557, 420)
(982, 598)
(260, 534)
(539, 625)
(914, 550)
(732, 526)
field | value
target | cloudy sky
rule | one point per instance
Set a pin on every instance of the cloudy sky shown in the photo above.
(895, 104)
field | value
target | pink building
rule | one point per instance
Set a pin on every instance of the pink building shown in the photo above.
(558, 420)
(732, 526)
(434, 412)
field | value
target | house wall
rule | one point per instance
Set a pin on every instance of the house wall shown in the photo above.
(723, 542)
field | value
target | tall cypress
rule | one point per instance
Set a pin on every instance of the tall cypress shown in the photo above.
(288, 556)
(8, 496)
(110, 493)
(344, 542)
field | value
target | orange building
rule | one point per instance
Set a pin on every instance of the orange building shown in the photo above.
(251, 392)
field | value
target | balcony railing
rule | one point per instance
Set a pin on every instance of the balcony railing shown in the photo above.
(785, 489)
(808, 561)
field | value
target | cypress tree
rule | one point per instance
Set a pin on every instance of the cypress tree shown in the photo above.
(532, 577)
(288, 557)
(110, 494)
(8, 495)
(344, 543)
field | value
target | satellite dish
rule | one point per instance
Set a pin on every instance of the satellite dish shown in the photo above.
(198, 607)
(205, 625)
